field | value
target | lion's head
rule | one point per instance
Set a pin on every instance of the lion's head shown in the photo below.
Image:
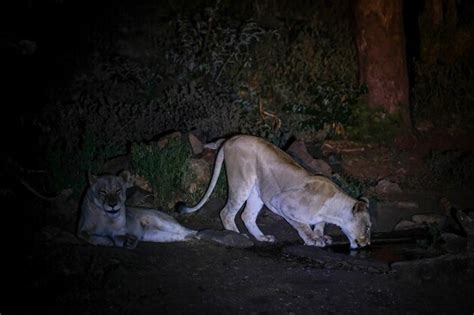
(358, 228)
(109, 192)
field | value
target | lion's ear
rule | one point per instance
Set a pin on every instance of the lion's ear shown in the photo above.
(366, 200)
(91, 178)
(361, 205)
(127, 178)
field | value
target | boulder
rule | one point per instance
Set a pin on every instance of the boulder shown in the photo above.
(196, 144)
(225, 238)
(116, 164)
(429, 218)
(385, 187)
(453, 243)
(405, 225)
(300, 153)
(197, 177)
(163, 141)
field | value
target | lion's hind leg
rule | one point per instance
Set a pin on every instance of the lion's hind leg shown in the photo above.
(249, 216)
(238, 194)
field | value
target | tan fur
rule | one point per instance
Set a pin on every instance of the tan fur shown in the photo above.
(259, 174)
(105, 220)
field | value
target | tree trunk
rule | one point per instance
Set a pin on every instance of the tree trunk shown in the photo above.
(380, 42)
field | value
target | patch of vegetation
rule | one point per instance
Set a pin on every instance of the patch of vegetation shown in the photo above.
(162, 167)
(371, 125)
(201, 69)
(350, 185)
(331, 107)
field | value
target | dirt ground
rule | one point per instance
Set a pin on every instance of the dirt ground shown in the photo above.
(62, 275)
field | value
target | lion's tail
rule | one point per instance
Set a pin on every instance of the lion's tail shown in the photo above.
(181, 207)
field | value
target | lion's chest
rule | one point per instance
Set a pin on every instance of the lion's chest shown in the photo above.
(111, 226)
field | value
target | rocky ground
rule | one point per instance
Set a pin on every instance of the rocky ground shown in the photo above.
(62, 275)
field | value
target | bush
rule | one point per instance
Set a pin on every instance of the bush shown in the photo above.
(208, 72)
(162, 167)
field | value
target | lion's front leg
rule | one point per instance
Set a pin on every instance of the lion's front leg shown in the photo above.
(319, 232)
(306, 233)
(128, 241)
(101, 240)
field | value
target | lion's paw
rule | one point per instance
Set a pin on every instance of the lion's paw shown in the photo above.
(319, 242)
(130, 242)
(327, 239)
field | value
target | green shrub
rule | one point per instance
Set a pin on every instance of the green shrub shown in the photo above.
(371, 125)
(352, 186)
(162, 167)
(330, 105)
(203, 70)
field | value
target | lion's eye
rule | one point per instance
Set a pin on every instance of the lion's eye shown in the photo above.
(118, 191)
(102, 192)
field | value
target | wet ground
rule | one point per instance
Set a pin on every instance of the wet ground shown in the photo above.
(63, 275)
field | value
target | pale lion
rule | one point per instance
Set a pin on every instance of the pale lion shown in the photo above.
(259, 174)
(105, 220)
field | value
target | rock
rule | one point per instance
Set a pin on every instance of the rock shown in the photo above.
(196, 144)
(137, 197)
(300, 153)
(320, 167)
(405, 225)
(197, 177)
(209, 156)
(142, 183)
(466, 221)
(408, 204)
(163, 141)
(226, 238)
(429, 218)
(453, 243)
(385, 187)
(116, 164)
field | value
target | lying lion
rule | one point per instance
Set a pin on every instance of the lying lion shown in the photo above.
(259, 174)
(105, 220)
